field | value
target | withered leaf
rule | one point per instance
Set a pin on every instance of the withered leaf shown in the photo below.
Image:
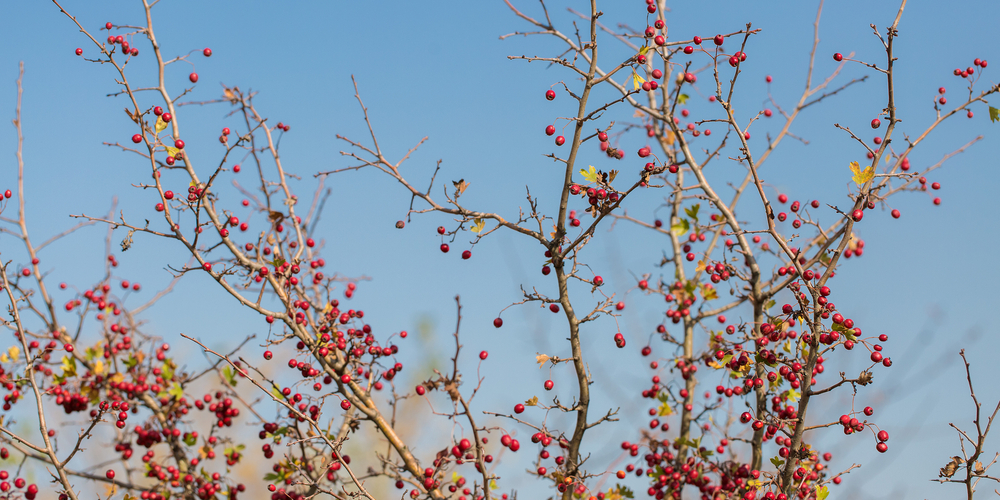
(460, 187)
(611, 175)
(532, 402)
(275, 217)
(541, 359)
(131, 116)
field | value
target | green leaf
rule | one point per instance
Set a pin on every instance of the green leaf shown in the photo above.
(589, 175)
(665, 410)
(167, 371)
(190, 440)
(793, 395)
(692, 211)
(727, 359)
(681, 227)
(68, 366)
(777, 462)
(769, 304)
(681, 99)
(994, 114)
(277, 262)
(822, 492)
(230, 375)
(643, 50)
(624, 491)
(176, 390)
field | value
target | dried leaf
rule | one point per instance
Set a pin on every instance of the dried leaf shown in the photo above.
(532, 402)
(460, 187)
(978, 468)
(611, 176)
(230, 95)
(478, 225)
(131, 116)
(668, 137)
(275, 217)
(861, 177)
(541, 359)
(949, 469)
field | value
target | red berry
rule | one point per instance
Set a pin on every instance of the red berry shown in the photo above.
(137, 138)
(718, 39)
(498, 322)
(895, 214)
(193, 77)
(876, 123)
(110, 474)
(519, 408)
(550, 130)
(207, 52)
(179, 144)
(857, 215)
(466, 254)
(550, 94)
(108, 26)
(79, 51)
(483, 355)
(560, 140)
(838, 57)
(444, 247)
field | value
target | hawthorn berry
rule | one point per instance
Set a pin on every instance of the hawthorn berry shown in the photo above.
(207, 52)
(550, 130)
(193, 77)
(79, 51)
(498, 322)
(137, 138)
(560, 140)
(550, 94)
(466, 254)
(718, 39)
(444, 247)
(876, 123)
(838, 57)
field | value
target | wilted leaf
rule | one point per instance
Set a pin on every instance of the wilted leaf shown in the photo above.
(611, 176)
(949, 469)
(708, 293)
(541, 359)
(668, 136)
(590, 175)
(532, 402)
(131, 116)
(478, 225)
(700, 267)
(994, 114)
(860, 177)
(230, 95)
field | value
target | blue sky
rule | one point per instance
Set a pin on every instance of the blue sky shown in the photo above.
(440, 70)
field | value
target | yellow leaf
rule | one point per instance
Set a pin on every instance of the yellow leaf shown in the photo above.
(15, 352)
(116, 378)
(160, 124)
(709, 293)
(700, 267)
(637, 80)
(4, 358)
(665, 410)
(532, 402)
(172, 151)
(643, 50)
(591, 175)
(541, 359)
(99, 367)
(478, 225)
(861, 177)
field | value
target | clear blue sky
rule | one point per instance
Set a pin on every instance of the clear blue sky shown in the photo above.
(439, 70)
